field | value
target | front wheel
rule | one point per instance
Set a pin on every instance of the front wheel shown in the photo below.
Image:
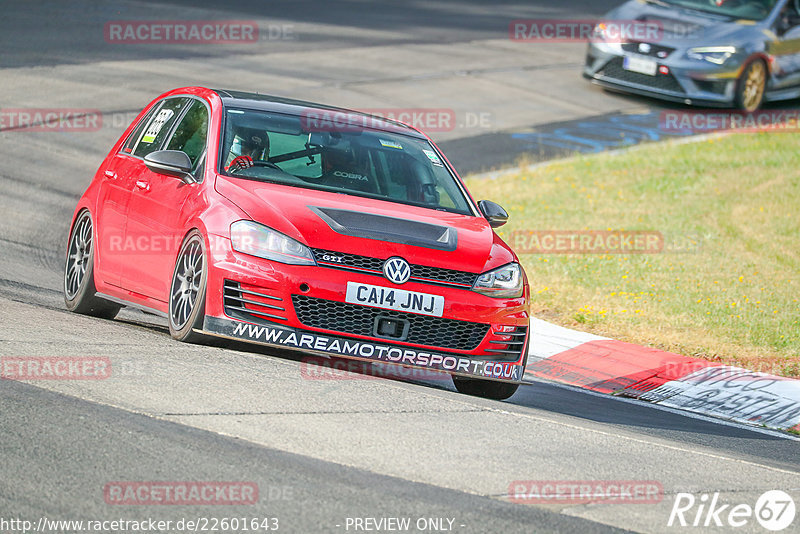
(79, 288)
(187, 297)
(488, 389)
(751, 86)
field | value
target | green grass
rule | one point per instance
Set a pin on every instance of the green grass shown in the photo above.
(726, 286)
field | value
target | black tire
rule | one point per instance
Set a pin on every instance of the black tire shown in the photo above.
(487, 389)
(187, 294)
(751, 86)
(79, 288)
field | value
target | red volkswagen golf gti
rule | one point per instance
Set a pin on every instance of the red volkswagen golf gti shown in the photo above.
(300, 226)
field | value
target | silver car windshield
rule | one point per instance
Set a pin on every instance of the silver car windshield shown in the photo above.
(346, 156)
(740, 9)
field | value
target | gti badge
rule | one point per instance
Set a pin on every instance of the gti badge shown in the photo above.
(330, 258)
(397, 270)
(644, 48)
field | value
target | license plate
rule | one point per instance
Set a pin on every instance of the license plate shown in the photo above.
(390, 298)
(641, 65)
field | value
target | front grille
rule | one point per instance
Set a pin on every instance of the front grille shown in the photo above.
(648, 49)
(509, 345)
(329, 258)
(419, 273)
(664, 82)
(360, 320)
(251, 303)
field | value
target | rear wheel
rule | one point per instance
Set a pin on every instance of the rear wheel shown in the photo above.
(187, 297)
(752, 85)
(488, 389)
(79, 288)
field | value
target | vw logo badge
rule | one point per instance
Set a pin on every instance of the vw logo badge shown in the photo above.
(397, 270)
(644, 48)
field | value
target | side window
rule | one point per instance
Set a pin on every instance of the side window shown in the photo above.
(789, 17)
(159, 126)
(191, 133)
(134, 137)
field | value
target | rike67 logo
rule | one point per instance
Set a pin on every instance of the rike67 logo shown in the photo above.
(774, 511)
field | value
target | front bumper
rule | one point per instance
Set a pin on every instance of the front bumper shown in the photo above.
(284, 337)
(688, 81)
(303, 308)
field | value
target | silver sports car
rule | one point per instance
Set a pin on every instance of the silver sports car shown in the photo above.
(721, 53)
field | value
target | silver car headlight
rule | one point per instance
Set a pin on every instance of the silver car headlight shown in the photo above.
(713, 54)
(602, 32)
(502, 283)
(255, 239)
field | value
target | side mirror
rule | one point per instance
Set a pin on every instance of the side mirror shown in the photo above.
(171, 163)
(494, 213)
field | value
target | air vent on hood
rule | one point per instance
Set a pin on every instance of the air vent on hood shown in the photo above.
(392, 229)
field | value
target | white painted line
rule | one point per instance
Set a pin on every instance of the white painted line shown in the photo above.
(642, 440)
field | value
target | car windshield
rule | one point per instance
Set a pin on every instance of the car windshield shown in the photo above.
(340, 156)
(740, 9)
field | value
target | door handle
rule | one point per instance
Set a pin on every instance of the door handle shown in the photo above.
(141, 184)
(111, 174)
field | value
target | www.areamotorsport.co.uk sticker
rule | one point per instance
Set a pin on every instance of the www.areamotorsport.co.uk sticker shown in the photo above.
(290, 338)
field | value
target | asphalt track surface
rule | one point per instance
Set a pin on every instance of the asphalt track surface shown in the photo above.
(320, 450)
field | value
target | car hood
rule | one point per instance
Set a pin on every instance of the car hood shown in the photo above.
(369, 227)
(684, 27)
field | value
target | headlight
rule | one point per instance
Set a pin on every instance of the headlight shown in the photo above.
(256, 239)
(502, 283)
(600, 30)
(713, 54)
